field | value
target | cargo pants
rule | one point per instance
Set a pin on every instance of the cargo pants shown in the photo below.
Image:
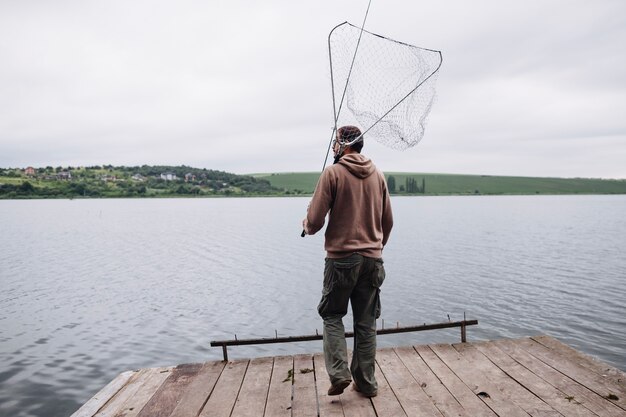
(357, 279)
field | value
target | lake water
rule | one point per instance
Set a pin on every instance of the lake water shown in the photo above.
(91, 288)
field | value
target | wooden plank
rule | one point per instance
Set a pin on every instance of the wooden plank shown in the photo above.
(304, 396)
(386, 403)
(253, 393)
(154, 379)
(595, 382)
(471, 374)
(329, 406)
(468, 400)
(167, 396)
(226, 390)
(96, 402)
(617, 376)
(572, 390)
(549, 394)
(115, 404)
(516, 393)
(432, 386)
(199, 390)
(280, 390)
(356, 405)
(353, 404)
(412, 398)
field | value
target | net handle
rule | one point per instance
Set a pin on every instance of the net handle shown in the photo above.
(332, 82)
(336, 111)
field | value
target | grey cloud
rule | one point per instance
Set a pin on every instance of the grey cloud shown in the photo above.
(533, 88)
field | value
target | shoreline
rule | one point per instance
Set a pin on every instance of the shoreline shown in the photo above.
(303, 195)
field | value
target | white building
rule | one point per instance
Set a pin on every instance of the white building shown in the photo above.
(168, 176)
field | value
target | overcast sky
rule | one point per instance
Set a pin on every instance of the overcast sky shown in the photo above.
(533, 88)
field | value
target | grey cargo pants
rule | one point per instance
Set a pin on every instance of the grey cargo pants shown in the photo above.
(356, 279)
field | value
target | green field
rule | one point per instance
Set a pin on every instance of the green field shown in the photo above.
(293, 182)
(453, 184)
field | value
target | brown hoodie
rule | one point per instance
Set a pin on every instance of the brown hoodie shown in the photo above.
(356, 195)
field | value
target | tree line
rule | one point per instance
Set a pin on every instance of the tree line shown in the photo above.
(410, 185)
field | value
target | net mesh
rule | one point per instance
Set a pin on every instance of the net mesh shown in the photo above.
(390, 85)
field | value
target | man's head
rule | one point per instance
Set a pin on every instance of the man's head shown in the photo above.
(343, 143)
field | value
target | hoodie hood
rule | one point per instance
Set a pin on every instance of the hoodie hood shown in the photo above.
(358, 165)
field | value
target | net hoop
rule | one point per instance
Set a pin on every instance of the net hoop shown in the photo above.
(396, 131)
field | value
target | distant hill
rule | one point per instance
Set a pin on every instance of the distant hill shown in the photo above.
(411, 183)
(183, 181)
(122, 181)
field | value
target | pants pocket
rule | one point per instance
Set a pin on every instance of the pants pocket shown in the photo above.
(379, 273)
(378, 277)
(345, 275)
(341, 273)
(340, 277)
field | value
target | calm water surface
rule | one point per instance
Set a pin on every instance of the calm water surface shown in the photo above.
(90, 288)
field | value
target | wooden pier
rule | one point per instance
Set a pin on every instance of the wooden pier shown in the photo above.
(536, 376)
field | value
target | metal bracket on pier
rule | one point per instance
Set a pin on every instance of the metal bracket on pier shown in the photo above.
(238, 342)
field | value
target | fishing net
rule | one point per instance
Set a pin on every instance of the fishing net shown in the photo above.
(386, 87)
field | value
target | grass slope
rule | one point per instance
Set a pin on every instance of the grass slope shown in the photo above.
(454, 184)
(294, 182)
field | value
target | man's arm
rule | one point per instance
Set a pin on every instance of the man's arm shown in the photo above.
(320, 204)
(387, 213)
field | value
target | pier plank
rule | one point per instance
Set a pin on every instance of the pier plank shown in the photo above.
(304, 394)
(412, 398)
(154, 379)
(199, 390)
(432, 386)
(472, 404)
(96, 402)
(572, 389)
(112, 407)
(353, 403)
(473, 377)
(280, 390)
(226, 390)
(616, 376)
(328, 406)
(551, 395)
(169, 393)
(597, 383)
(253, 393)
(356, 405)
(386, 403)
(515, 392)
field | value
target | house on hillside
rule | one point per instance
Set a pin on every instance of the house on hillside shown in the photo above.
(30, 171)
(189, 177)
(168, 176)
(138, 177)
(64, 175)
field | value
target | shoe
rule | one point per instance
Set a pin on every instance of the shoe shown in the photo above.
(338, 388)
(368, 395)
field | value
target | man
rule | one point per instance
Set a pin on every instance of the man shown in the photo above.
(360, 221)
